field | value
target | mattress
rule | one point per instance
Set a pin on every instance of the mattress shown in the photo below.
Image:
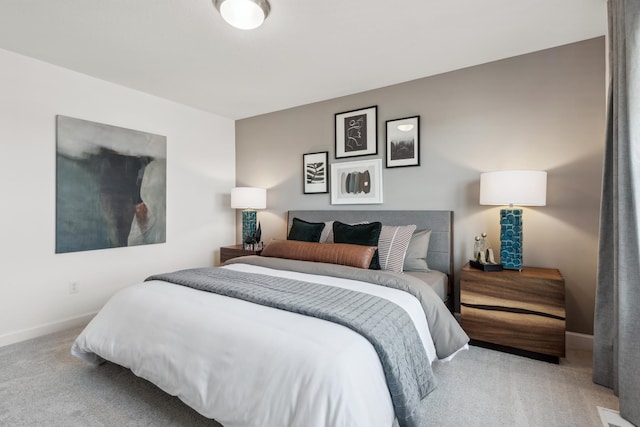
(436, 280)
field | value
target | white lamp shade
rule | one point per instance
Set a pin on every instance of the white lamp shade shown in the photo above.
(248, 198)
(517, 187)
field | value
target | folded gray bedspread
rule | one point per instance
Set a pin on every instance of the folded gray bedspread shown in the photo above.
(386, 325)
(448, 336)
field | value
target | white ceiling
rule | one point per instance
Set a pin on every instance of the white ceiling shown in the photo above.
(306, 51)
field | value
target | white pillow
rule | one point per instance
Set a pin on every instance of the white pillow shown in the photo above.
(416, 257)
(326, 231)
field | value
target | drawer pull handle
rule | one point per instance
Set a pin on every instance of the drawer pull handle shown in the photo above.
(512, 310)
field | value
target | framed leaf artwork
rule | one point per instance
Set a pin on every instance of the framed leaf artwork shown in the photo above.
(315, 172)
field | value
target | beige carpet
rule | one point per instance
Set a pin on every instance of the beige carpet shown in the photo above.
(41, 384)
(488, 388)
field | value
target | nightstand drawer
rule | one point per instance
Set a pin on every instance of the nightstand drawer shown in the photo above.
(535, 289)
(474, 295)
(521, 310)
(531, 332)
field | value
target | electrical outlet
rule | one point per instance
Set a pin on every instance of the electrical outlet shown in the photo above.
(74, 288)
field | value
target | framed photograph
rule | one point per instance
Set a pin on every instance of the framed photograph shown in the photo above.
(403, 142)
(356, 133)
(356, 183)
(315, 169)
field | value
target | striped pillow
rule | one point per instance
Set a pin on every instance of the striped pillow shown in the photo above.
(392, 246)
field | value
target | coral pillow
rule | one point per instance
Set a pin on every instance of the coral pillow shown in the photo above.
(332, 253)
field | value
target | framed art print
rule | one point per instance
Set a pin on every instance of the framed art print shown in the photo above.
(356, 133)
(315, 169)
(354, 183)
(111, 186)
(403, 142)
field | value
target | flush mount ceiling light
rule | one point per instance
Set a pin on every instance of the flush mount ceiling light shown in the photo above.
(243, 14)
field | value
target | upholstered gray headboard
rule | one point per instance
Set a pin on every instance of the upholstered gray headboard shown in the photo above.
(440, 254)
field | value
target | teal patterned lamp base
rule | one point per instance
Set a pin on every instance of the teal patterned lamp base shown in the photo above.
(511, 238)
(249, 217)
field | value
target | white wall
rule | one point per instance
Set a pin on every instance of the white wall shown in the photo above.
(34, 281)
(544, 110)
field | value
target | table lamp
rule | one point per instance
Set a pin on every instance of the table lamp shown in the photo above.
(248, 199)
(513, 187)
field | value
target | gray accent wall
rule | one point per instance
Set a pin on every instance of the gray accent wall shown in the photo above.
(543, 111)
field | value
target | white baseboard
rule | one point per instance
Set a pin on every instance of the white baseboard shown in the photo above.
(612, 418)
(45, 329)
(578, 341)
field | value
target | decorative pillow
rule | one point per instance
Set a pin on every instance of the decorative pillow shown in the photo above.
(416, 257)
(392, 246)
(361, 234)
(305, 231)
(327, 232)
(336, 253)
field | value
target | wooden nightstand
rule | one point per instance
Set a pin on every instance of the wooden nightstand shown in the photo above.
(234, 251)
(517, 310)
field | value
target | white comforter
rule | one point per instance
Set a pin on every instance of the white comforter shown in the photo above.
(244, 364)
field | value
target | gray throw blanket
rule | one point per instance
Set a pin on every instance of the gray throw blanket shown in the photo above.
(386, 325)
(446, 332)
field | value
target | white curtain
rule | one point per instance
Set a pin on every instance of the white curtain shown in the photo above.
(616, 350)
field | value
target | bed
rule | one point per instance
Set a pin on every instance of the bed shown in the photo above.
(270, 341)
(440, 252)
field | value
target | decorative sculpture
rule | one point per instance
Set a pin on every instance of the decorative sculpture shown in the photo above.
(482, 251)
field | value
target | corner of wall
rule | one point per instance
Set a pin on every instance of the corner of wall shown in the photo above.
(578, 341)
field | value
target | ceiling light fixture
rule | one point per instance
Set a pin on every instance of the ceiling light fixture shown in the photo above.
(243, 14)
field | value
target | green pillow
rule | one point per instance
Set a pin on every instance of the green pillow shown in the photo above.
(360, 234)
(305, 231)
